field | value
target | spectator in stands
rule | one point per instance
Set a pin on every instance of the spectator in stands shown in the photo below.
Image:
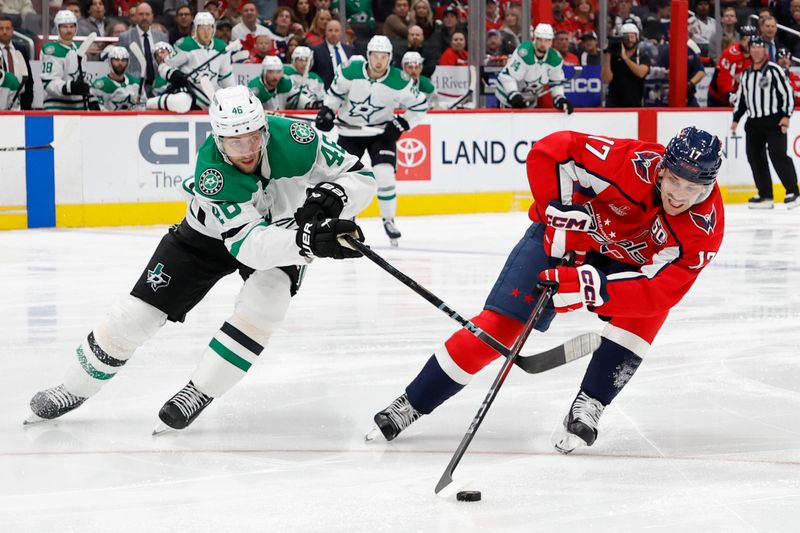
(330, 54)
(396, 25)
(561, 45)
(249, 24)
(624, 69)
(143, 35)
(304, 14)
(589, 53)
(263, 48)
(732, 62)
(728, 25)
(624, 15)
(792, 41)
(456, 53)
(584, 17)
(768, 28)
(316, 36)
(694, 73)
(703, 30)
(497, 51)
(75, 7)
(293, 42)
(656, 26)
(212, 6)
(13, 59)
(94, 18)
(224, 30)
(233, 12)
(416, 43)
(493, 19)
(423, 17)
(183, 24)
(19, 7)
(281, 29)
(563, 16)
(511, 30)
(117, 28)
(441, 37)
(785, 60)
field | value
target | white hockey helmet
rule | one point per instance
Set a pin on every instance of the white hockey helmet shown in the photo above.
(65, 16)
(116, 52)
(379, 43)
(204, 18)
(271, 63)
(302, 52)
(235, 111)
(163, 45)
(543, 31)
(629, 27)
(412, 58)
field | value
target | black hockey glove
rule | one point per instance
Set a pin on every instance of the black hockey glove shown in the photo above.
(321, 238)
(564, 105)
(178, 79)
(517, 101)
(326, 200)
(395, 129)
(94, 106)
(324, 120)
(76, 87)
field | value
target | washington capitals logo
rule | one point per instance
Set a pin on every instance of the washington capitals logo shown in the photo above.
(643, 163)
(157, 278)
(707, 222)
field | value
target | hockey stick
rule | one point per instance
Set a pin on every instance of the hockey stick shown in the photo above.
(533, 364)
(233, 46)
(136, 50)
(468, 94)
(373, 130)
(544, 299)
(25, 148)
(23, 74)
(82, 49)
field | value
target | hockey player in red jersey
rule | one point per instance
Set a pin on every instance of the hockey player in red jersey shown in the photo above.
(734, 60)
(643, 221)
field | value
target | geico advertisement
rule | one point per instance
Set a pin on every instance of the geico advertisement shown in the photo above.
(735, 169)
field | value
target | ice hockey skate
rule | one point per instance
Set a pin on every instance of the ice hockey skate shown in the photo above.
(580, 424)
(394, 419)
(52, 403)
(182, 409)
(392, 231)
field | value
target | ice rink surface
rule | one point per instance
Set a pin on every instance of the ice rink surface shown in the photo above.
(705, 438)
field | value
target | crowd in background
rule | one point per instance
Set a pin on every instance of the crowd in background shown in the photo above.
(435, 29)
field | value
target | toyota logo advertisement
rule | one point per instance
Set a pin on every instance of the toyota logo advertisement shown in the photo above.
(414, 154)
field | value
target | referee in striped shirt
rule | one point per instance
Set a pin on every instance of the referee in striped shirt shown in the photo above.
(767, 97)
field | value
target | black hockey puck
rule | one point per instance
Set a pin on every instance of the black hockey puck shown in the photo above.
(469, 496)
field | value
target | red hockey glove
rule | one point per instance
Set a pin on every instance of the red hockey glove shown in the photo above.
(567, 231)
(575, 287)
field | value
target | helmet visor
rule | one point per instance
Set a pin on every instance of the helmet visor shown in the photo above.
(245, 145)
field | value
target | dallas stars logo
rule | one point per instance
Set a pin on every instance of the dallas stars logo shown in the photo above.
(157, 278)
(364, 109)
(302, 133)
(210, 182)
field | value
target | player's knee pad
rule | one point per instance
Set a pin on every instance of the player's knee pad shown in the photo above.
(128, 325)
(262, 303)
(384, 176)
(470, 353)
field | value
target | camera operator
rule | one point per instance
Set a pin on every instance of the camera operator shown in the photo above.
(624, 68)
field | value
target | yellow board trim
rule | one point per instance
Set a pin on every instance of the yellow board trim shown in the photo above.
(149, 213)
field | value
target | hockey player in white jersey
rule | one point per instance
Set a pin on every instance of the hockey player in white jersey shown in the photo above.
(267, 196)
(366, 93)
(412, 65)
(118, 90)
(272, 88)
(530, 70)
(200, 56)
(309, 87)
(64, 87)
(179, 101)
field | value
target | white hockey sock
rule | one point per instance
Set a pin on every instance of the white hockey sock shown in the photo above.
(387, 190)
(105, 349)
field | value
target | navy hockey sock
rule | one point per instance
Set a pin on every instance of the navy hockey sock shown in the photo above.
(431, 387)
(610, 369)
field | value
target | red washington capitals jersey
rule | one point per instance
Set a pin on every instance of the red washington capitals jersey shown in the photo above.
(615, 179)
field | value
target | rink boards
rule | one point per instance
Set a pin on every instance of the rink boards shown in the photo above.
(127, 168)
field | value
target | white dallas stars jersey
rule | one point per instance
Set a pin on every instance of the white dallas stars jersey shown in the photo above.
(528, 74)
(253, 214)
(59, 66)
(119, 95)
(362, 101)
(9, 90)
(190, 54)
(310, 88)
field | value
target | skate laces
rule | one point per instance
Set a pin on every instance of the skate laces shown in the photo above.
(587, 409)
(189, 399)
(402, 413)
(62, 397)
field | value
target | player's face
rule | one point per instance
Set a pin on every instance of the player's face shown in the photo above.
(543, 45)
(67, 31)
(272, 77)
(119, 66)
(300, 64)
(204, 34)
(379, 61)
(160, 55)
(678, 194)
(244, 150)
(758, 53)
(413, 70)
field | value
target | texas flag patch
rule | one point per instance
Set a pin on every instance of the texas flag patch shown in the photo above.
(706, 222)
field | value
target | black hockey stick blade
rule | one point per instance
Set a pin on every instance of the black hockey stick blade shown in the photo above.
(25, 148)
(573, 349)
